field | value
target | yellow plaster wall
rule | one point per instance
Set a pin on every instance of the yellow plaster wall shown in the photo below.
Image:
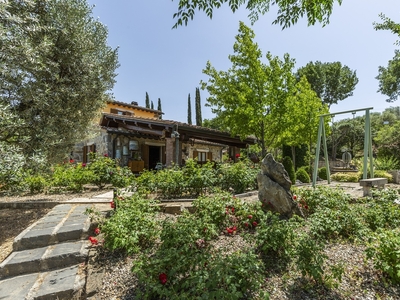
(137, 112)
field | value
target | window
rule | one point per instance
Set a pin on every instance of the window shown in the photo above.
(202, 157)
(121, 112)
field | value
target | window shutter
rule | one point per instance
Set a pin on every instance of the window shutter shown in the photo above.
(209, 156)
(85, 152)
(195, 154)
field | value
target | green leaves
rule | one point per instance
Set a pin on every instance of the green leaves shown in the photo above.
(389, 78)
(332, 82)
(289, 12)
(56, 71)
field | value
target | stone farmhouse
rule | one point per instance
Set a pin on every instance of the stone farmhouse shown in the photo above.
(141, 139)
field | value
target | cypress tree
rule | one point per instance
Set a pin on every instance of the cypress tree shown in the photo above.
(189, 116)
(147, 101)
(159, 106)
(199, 120)
(288, 164)
(152, 104)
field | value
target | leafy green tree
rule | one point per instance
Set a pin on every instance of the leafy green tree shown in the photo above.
(189, 116)
(289, 12)
(251, 97)
(199, 119)
(147, 100)
(332, 82)
(302, 120)
(389, 77)
(215, 123)
(152, 105)
(55, 71)
(159, 106)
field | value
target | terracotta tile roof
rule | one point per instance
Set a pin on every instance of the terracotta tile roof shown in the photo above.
(169, 125)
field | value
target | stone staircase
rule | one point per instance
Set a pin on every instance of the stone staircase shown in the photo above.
(48, 258)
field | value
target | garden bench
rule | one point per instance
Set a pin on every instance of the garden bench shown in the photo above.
(367, 184)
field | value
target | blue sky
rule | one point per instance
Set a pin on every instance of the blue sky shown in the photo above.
(167, 63)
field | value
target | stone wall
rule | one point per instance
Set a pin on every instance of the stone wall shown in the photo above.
(215, 150)
(101, 140)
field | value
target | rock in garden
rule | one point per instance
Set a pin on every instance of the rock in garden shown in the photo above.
(274, 188)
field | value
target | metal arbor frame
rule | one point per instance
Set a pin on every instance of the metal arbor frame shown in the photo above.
(367, 145)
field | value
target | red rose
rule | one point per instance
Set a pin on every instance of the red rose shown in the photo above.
(112, 203)
(255, 224)
(294, 197)
(105, 154)
(246, 224)
(97, 231)
(93, 240)
(163, 278)
(83, 165)
(306, 206)
(237, 155)
(233, 209)
(234, 228)
(250, 216)
(71, 161)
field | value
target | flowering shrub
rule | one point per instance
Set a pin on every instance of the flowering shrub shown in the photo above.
(195, 269)
(70, 177)
(275, 237)
(238, 177)
(102, 168)
(384, 250)
(182, 257)
(198, 178)
(193, 180)
(132, 226)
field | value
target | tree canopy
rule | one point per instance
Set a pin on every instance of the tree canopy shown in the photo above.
(289, 12)
(252, 97)
(389, 77)
(55, 71)
(332, 82)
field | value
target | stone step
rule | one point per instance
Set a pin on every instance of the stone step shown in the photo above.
(45, 258)
(60, 284)
(65, 222)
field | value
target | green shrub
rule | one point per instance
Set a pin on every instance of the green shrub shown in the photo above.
(288, 165)
(198, 178)
(36, 183)
(322, 173)
(122, 177)
(70, 177)
(195, 270)
(102, 168)
(382, 174)
(275, 237)
(310, 258)
(384, 250)
(238, 177)
(303, 176)
(346, 177)
(133, 227)
(170, 183)
(382, 211)
(387, 163)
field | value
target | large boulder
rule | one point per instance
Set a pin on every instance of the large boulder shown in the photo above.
(274, 188)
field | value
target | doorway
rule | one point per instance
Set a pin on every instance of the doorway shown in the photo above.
(154, 156)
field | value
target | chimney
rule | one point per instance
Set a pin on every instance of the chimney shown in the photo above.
(134, 103)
